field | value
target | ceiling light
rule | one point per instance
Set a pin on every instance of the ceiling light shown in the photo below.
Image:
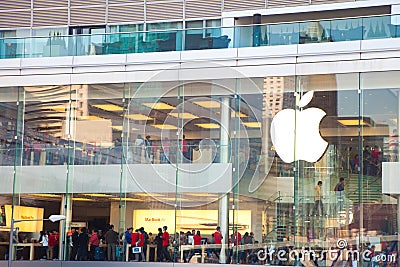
(148, 195)
(351, 121)
(91, 118)
(98, 195)
(138, 117)
(127, 199)
(118, 128)
(208, 125)
(238, 114)
(165, 126)
(253, 124)
(108, 107)
(81, 199)
(158, 105)
(59, 108)
(45, 195)
(177, 199)
(53, 124)
(184, 115)
(208, 104)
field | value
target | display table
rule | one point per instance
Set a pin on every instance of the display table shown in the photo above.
(31, 247)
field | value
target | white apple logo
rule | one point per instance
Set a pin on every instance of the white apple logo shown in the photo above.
(295, 133)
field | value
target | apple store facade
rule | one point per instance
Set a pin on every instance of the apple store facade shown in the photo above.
(263, 154)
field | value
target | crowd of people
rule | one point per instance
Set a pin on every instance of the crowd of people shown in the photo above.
(132, 245)
(49, 245)
(371, 160)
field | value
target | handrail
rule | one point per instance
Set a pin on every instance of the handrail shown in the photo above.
(355, 191)
(206, 28)
(315, 31)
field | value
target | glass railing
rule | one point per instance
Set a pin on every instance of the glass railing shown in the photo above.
(338, 30)
(78, 154)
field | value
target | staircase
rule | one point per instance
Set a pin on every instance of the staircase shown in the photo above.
(281, 222)
(371, 190)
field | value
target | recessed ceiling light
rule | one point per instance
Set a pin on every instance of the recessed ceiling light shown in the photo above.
(148, 194)
(253, 124)
(98, 195)
(108, 107)
(45, 195)
(208, 125)
(91, 118)
(138, 117)
(165, 126)
(118, 128)
(238, 114)
(184, 115)
(208, 104)
(177, 199)
(158, 105)
(353, 122)
(127, 199)
(59, 108)
(82, 199)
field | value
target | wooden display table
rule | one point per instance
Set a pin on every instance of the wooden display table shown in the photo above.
(31, 247)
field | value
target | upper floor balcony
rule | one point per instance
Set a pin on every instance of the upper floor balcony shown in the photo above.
(293, 33)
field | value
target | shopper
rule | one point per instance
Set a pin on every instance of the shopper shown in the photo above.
(218, 240)
(165, 244)
(127, 240)
(159, 241)
(318, 199)
(53, 244)
(148, 143)
(197, 244)
(44, 240)
(140, 244)
(111, 241)
(74, 244)
(139, 143)
(83, 240)
(146, 239)
(93, 243)
(339, 192)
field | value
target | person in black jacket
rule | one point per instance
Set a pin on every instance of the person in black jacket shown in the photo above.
(112, 241)
(159, 244)
(83, 240)
(74, 244)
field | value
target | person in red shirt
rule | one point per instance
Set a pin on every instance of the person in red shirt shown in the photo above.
(93, 243)
(53, 244)
(165, 244)
(135, 239)
(218, 240)
(185, 150)
(218, 236)
(236, 239)
(197, 244)
(140, 243)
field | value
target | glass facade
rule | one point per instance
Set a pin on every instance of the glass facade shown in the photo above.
(286, 161)
(199, 35)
